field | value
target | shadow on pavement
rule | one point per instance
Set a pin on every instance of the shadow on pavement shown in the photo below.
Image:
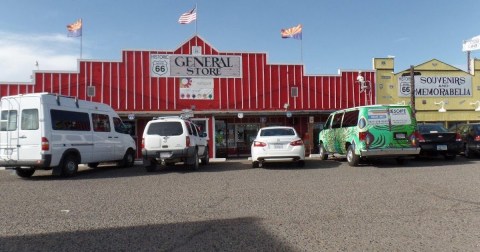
(240, 234)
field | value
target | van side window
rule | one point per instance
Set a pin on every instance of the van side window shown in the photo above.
(101, 122)
(29, 119)
(337, 120)
(120, 127)
(69, 120)
(350, 118)
(8, 120)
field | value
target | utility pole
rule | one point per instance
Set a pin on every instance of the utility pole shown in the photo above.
(412, 90)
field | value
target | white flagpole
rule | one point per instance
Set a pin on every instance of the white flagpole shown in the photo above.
(196, 10)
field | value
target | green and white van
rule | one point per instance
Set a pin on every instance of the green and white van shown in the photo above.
(374, 131)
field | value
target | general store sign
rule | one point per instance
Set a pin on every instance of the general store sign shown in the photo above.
(436, 86)
(186, 65)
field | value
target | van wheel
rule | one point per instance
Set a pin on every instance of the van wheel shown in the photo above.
(69, 166)
(195, 163)
(93, 165)
(206, 157)
(255, 164)
(323, 152)
(24, 173)
(128, 159)
(352, 158)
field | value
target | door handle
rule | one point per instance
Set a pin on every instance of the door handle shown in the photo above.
(22, 136)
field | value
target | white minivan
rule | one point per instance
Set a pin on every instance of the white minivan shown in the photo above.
(54, 132)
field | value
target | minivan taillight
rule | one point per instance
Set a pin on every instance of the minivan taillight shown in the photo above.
(187, 141)
(45, 144)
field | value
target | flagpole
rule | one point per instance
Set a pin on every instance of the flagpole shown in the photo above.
(196, 10)
(301, 50)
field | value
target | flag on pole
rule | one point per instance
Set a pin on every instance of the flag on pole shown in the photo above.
(188, 17)
(75, 29)
(294, 32)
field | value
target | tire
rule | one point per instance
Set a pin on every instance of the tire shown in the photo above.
(93, 165)
(69, 166)
(151, 167)
(24, 173)
(467, 152)
(128, 159)
(206, 157)
(255, 164)
(323, 152)
(352, 158)
(195, 165)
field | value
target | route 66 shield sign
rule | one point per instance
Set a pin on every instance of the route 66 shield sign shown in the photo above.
(160, 67)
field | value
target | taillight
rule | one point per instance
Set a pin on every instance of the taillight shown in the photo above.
(416, 138)
(143, 143)
(458, 137)
(45, 144)
(259, 144)
(477, 138)
(187, 141)
(296, 143)
(366, 137)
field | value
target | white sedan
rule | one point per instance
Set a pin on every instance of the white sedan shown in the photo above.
(277, 144)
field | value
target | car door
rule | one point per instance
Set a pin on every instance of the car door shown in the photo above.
(104, 138)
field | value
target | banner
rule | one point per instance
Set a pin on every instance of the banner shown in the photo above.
(471, 44)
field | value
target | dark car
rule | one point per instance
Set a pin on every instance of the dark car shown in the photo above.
(470, 134)
(434, 139)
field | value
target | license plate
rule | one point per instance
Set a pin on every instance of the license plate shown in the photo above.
(400, 135)
(278, 146)
(441, 147)
(164, 154)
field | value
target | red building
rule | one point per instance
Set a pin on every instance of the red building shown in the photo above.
(230, 94)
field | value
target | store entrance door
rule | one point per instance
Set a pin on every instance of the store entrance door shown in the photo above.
(239, 138)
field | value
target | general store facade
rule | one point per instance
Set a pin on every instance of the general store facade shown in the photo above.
(229, 94)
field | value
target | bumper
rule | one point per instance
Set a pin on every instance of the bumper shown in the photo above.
(177, 154)
(43, 163)
(395, 152)
(441, 148)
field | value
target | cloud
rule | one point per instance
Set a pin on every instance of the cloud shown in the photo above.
(20, 52)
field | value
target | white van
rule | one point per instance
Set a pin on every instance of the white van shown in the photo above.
(49, 131)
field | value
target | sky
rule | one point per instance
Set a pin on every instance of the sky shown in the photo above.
(337, 34)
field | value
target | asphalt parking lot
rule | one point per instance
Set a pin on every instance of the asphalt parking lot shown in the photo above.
(424, 205)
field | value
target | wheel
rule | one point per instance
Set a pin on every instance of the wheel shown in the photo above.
(301, 163)
(206, 157)
(467, 152)
(255, 164)
(450, 156)
(93, 165)
(152, 165)
(24, 173)
(323, 152)
(352, 158)
(195, 164)
(69, 166)
(128, 159)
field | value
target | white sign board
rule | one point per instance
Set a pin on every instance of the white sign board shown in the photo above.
(436, 86)
(196, 88)
(186, 65)
(471, 44)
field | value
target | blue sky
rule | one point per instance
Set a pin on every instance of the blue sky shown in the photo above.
(337, 34)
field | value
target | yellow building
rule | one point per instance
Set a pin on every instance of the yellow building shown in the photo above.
(443, 93)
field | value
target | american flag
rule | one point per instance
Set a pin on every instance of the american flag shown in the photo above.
(294, 32)
(75, 29)
(188, 17)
